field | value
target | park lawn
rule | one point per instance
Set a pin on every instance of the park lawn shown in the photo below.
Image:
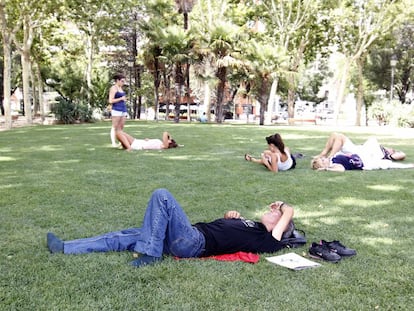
(67, 179)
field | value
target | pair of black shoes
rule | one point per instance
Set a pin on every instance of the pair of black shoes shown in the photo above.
(330, 251)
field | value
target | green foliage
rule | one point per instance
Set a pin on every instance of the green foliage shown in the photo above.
(67, 179)
(69, 112)
(393, 113)
(100, 89)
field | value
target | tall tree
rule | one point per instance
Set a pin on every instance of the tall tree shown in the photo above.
(157, 17)
(265, 61)
(297, 27)
(98, 23)
(358, 25)
(10, 25)
(216, 48)
(185, 7)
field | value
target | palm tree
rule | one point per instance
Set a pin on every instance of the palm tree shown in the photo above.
(185, 7)
(158, 17)
(176, 46)
(218, 47)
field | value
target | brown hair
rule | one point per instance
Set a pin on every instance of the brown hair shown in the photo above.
(118, 76)
(276, 140)
(172, 144)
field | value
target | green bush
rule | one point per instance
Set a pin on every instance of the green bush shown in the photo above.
(69, 112)
(392, 113)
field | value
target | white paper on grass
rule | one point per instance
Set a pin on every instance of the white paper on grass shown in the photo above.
(293, 261)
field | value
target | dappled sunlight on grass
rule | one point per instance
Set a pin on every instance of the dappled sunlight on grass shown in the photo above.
(66, 161)
(6, 159)
(351, 201)
(316, 214)
(377, 225)
(10, 186)
(385, 187)
(49, 148)
(375, 241)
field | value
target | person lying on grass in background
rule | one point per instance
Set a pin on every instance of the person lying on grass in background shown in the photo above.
(130, 143)
(277, 157)
(346, 162)
(339, 143)
(167, 230)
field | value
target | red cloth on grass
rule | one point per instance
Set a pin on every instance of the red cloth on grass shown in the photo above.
(239, 256)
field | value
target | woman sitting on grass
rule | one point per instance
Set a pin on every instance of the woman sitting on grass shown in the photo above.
(130, 143)
(277, 157)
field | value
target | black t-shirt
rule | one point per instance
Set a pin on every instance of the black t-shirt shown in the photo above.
(226, 236)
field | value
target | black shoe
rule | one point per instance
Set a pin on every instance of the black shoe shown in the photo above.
(322, 251)
(339, 248)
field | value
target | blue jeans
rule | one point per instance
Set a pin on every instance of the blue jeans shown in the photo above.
(165, 230)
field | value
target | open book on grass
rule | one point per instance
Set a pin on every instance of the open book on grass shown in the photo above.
(293, 261)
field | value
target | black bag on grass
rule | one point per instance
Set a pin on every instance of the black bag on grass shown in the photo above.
(293, 237)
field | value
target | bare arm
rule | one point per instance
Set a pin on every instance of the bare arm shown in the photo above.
(274, 159)
(335, 167)
(287, 215)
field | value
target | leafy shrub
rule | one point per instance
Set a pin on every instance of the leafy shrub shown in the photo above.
(69, 112)
(392, 113)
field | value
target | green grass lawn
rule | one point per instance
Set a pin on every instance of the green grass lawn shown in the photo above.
(67, 179)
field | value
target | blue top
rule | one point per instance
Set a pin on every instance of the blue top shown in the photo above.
(121, 105)
(350, 162)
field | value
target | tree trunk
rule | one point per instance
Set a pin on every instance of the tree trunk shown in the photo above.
(263, 98)
(89, 58)
(360, 91)
(139, 88)
(6, 80)
(179, 83)
(35, 92)
(207, 100)
(156, 75)
(291, 105)
(273, 90)
(221, 75)
(25, 59)
(40, 92)
(341, 90)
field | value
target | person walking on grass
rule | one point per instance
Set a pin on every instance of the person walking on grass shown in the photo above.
(167, 230)
(277, 157)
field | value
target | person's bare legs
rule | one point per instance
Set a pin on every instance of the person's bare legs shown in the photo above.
(113, 138)
(118, 124)
(334, 144)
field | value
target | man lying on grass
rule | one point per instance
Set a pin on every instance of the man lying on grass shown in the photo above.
(166, 229)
